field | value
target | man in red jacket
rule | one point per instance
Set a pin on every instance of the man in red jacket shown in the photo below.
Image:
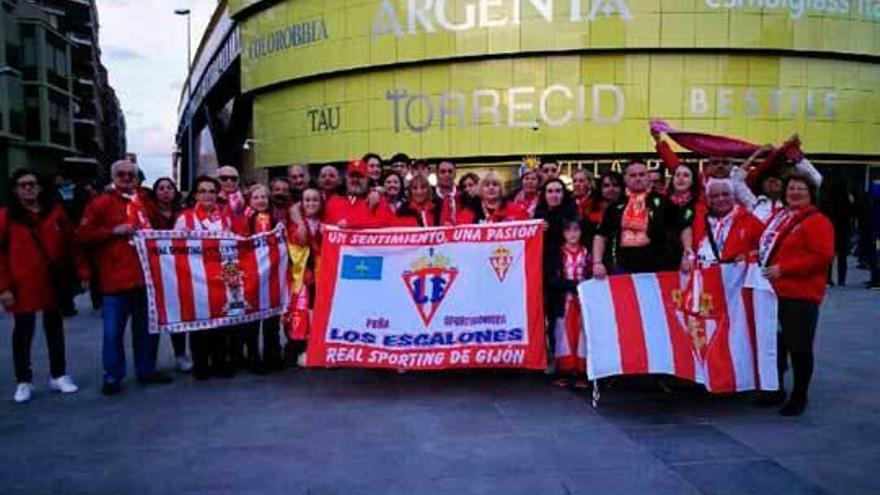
(106, 229)
(359, 208)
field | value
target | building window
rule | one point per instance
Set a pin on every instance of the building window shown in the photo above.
(59, 118)
(29, 52)
(13, 44)
(32, 112)
(56, 61)
(16, 106)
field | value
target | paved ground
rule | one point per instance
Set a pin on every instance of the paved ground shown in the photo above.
(353, 432)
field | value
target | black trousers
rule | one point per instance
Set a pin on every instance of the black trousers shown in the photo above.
(23, 337)
(798, 320)
(271, 354)
(841, 251)
(178, 343)
(212, 350)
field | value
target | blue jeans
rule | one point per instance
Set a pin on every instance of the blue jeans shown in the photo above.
(117, 309)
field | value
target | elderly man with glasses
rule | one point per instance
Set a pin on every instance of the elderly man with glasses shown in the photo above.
(230, 196)
(106, 228)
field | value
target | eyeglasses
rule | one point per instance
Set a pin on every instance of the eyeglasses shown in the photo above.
(123, 175)
(228, 178)
(28, 184)
(206, 191)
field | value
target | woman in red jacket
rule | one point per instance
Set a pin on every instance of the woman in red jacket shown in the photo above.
(34, 235)
(423, 209)
(795, 252)
(163, 204)
(491, 207)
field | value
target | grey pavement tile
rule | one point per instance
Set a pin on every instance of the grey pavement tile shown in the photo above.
(648, 478)
(359, 431)
(757, 477)
(844, 472)
(676, 444)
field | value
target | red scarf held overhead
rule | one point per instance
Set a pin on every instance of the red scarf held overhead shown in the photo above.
(634, 224)
(705, 144)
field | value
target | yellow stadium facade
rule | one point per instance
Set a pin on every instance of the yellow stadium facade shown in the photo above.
(488, 81)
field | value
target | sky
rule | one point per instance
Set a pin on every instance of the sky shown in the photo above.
(144, 48)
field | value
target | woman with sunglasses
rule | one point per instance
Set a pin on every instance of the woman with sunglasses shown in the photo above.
(230, 196)
(35, 235)
(211, 349)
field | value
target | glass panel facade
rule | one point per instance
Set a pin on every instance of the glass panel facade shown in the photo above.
(59, 118)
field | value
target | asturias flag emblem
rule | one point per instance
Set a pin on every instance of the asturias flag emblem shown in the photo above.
(428, 283)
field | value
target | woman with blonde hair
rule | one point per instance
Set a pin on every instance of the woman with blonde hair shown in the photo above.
(492, 207)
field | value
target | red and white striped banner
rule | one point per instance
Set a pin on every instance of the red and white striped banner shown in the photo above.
(201, 280)
(709, 328)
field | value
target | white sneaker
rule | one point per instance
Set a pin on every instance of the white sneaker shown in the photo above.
(183, 364)
(63, 384)
(23, 392)
(301, 360)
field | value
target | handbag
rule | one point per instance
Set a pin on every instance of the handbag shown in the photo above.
(61, 273)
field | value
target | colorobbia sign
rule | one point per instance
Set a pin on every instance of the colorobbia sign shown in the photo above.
(427, 299)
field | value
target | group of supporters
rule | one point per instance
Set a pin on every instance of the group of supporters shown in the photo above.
(762, 211)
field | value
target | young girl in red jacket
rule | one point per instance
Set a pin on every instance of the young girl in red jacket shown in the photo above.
(570, 349)
(35, 234)
(304, 245)
(258, 219)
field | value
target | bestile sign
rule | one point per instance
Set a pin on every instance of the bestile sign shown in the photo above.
(427, 299)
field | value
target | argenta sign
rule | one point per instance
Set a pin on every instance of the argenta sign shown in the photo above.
(300, 38)
(569, 105)
(433, 15)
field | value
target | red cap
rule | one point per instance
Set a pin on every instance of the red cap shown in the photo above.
(357, 167)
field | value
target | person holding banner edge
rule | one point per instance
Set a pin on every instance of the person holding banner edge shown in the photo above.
(260, 219)
(211, 349)
(163, 207)
(106, 228)
(795, 252)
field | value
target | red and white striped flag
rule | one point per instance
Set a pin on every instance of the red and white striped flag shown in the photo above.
(709, 328)
(202, 280)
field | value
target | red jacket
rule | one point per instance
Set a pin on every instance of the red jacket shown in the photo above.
(804, 256)
(742, 239)
(119, 269)
(24, 268)
(357, 214)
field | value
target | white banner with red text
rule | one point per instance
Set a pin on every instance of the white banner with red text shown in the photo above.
(711, 327)
(429, 299)
(202, 280)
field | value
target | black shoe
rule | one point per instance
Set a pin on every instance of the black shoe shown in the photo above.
(794, 407)
(201, 375)
(224, 372)
(111, 388)
(769, 399)
(156, 379)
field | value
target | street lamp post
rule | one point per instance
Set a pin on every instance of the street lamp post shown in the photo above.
(189, 133)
